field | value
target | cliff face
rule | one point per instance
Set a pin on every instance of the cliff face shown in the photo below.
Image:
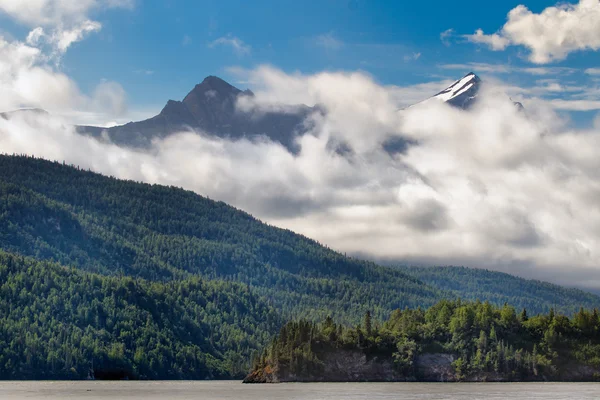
(338, 366)
(356, 366)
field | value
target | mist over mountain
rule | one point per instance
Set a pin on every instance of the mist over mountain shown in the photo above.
(59, 213)
(117, 278)
(215, 107)
(211, 108)
(431, 184)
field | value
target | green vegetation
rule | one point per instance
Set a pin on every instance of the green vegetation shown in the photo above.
(499, 288)
(57, 323)
(486, 343)
(82, 219)
(158, 282)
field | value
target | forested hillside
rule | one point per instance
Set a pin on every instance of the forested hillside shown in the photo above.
(78, 218)
(500, 288)
(58, 323)
(451, 341)
(158, 282)
(95, 223)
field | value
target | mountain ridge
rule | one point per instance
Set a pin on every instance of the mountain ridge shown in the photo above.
(103, 225)
(110, 226)
(210, 107)
(148, 281)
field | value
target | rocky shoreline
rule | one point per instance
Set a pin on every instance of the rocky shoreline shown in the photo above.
(356, 366)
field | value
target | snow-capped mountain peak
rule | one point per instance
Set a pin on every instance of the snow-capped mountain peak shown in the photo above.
(462, 92)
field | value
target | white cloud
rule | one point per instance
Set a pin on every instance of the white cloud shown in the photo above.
(593, 71)
(494, 41)
(446, 36)
(478, 67)
(575, 105)
(548, 70)
(65, 38)
(58, 23)
(492, 187)
(30, 75)
(35, 36)
(27, 79)
(237, 45)
(550, 35)
(507, 69)
(56, 12)
(329, 42)
(412, 57)
(111, 98)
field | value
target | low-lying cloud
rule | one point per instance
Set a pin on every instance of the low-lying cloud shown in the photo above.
(492, 187)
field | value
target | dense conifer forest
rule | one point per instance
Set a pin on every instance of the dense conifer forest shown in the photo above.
(58, 323)
(499, 288)
(484, 342)
(78, 218)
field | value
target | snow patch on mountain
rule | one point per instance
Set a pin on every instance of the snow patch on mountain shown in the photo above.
(458, 88)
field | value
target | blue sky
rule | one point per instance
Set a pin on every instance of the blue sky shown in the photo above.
(160, 49)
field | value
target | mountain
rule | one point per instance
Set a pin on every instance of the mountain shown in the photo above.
(211, 107)
(461, 93)
(499, 288)
(139, 280)
(112, 227)
(23, 111)
(59, 213)
(464, 93)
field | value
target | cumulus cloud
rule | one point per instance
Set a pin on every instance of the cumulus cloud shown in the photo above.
(58, 23)
(30, 74)
(61, 39)
(236, 44)
(550, 35)
(28, 78)
(56, 12)
(492, 187)
(494, 41)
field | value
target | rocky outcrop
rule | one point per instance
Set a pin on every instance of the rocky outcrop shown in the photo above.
(357, 366)
(338, 366)
(435, 367)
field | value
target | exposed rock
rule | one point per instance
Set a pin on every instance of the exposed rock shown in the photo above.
(211, 108)
(357, 366)
(435, 367)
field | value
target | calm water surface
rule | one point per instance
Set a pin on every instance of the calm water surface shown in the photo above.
(318, 391)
